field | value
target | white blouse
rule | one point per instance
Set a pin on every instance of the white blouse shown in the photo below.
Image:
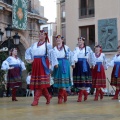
(101, 58)
(80, 53)
(114, 59)
(12, 61)
(61, 53)
(35, 50)
(28, 79)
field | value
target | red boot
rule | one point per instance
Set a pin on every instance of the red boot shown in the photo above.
(85, 95)
(116, 95)
(60, 96)
(65, 96)
(46, 95)
(96, 95)
(101, 94)
(38, 93)
(14, 94)
(80, 96)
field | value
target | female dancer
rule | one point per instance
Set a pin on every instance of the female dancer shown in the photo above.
(40, 55)
(61, 73)
(115, 76)
(98, 72)
(15, 66)
(81, 62)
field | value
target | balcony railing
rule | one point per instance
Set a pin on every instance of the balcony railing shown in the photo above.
(86, 12)
(61, 1)
(7, 1)
(62, 19)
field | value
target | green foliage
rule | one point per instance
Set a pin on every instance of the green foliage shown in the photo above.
(28, 67)
(3, 56)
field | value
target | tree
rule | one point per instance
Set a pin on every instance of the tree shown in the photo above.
(3, 56)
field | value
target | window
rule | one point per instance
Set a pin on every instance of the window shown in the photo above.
(63, 12)
(8, 1)
(86, 8)
(8, 18)
(45, 29)
(88, 32)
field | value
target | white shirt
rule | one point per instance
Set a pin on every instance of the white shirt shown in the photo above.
(80, 53)
(114, 59)
(28, 79)
(61, 53)
(35, 50)
(12, 61)
(101, 58)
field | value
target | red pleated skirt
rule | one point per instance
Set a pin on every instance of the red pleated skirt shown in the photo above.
(115, 81)
(39, 79)
(98, 78)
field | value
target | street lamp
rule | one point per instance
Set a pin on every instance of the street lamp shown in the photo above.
(8, 31)
(8, 35)
(1, 34)
(16, 39)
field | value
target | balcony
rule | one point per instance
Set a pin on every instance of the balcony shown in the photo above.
(86, 13)
(7, 1)
(62, 1)
(62, 19)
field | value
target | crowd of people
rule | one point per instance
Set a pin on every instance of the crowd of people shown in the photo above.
(88, 69)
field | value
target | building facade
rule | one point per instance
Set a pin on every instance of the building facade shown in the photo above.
(51, 29)
(90, 19)
(34, 19)
(96, 20)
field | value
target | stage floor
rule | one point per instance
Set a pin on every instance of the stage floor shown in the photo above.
(106, 109)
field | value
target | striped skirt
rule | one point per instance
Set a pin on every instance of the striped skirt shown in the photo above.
(81, 78)
(115, 81)
(14, 77)
(61, 74)
(98, 77)
(39, 78)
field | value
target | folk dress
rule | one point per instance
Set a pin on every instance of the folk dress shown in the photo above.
(115, 76)
(14, 67)
(98, 72)
(61, 75)
(42, 56)
(82, 72)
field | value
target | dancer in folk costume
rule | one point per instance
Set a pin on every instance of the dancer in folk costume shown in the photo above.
(115, 76)
(61, 73)
(98, 72)
(40, 55)
(14, 66)
(81, 62)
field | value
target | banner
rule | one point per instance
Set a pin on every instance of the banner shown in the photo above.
(19, 14)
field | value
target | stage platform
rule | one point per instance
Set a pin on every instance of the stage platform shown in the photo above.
(106, 109)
